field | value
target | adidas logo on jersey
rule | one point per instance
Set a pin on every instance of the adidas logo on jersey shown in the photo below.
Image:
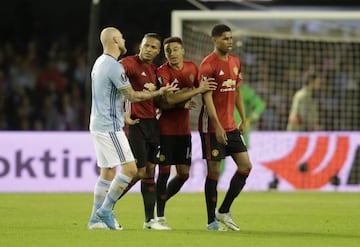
(221, 72)
(143, 73)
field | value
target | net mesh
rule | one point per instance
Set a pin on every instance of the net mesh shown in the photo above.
(277, 55)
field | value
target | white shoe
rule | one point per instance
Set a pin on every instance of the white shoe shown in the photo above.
(162, 221)
(226, 219)
(98, 226)
(118, 227)
(154, 225)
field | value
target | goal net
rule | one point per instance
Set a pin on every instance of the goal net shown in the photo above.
(277, 50)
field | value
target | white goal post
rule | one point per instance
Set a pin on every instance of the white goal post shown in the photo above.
(277, 49)
(179, 16)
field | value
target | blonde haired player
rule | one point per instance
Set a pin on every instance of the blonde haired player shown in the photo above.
(109, 88)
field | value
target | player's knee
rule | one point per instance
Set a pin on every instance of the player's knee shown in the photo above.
(249, 167)
(245, 167)
(129, 170)
(141, 173)
(213, 172)
(213, 168)
(183, 176)
(149, 173)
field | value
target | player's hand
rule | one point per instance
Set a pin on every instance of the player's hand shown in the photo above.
(207, 84)
(132, 121)
(173, 87)
(129, 121)
(221, 135)
(242, 126)
(190, 104)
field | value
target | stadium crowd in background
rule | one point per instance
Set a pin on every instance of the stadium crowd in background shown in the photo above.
(43, 85)
(304, 112)
(276, 68)
(43, 88)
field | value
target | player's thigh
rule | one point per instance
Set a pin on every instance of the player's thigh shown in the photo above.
(236, 142)
(212, 150)
(175, 150)
(112, 149)
(138, 145)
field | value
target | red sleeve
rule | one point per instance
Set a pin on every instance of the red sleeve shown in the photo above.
(163, 76)
(126, 63)
(196, 79)
(205, 70)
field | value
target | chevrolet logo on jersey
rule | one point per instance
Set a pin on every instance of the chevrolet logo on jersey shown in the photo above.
(149, 86)
(229, 83)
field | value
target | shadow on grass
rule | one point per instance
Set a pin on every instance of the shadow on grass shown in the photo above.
(257, 234)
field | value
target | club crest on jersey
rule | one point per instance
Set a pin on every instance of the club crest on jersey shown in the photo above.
(149, 86)
(162, 158)
(215, 152)
(123, 77)
(192, 77)
(236, 70)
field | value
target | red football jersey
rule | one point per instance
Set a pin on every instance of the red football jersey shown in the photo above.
(142, 77)
(227, 75)
(176, 121)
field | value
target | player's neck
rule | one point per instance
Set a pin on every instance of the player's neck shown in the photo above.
(145, 61)
(112, 52)
(177, 66)
(112, 55)
(222, 55)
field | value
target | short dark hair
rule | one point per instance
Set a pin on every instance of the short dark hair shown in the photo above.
(219, 29)
(153, 35)
(172, 40)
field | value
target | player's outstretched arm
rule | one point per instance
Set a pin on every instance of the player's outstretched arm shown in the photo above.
(208, 84)
(137, 96)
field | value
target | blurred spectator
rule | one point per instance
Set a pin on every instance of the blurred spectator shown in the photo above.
(33, 71)
(53, 120)
(304, 112)
(50, 79)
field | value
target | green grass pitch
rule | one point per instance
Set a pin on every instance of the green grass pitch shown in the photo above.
(269, 219)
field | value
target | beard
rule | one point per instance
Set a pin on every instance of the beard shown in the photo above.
(122, 50)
